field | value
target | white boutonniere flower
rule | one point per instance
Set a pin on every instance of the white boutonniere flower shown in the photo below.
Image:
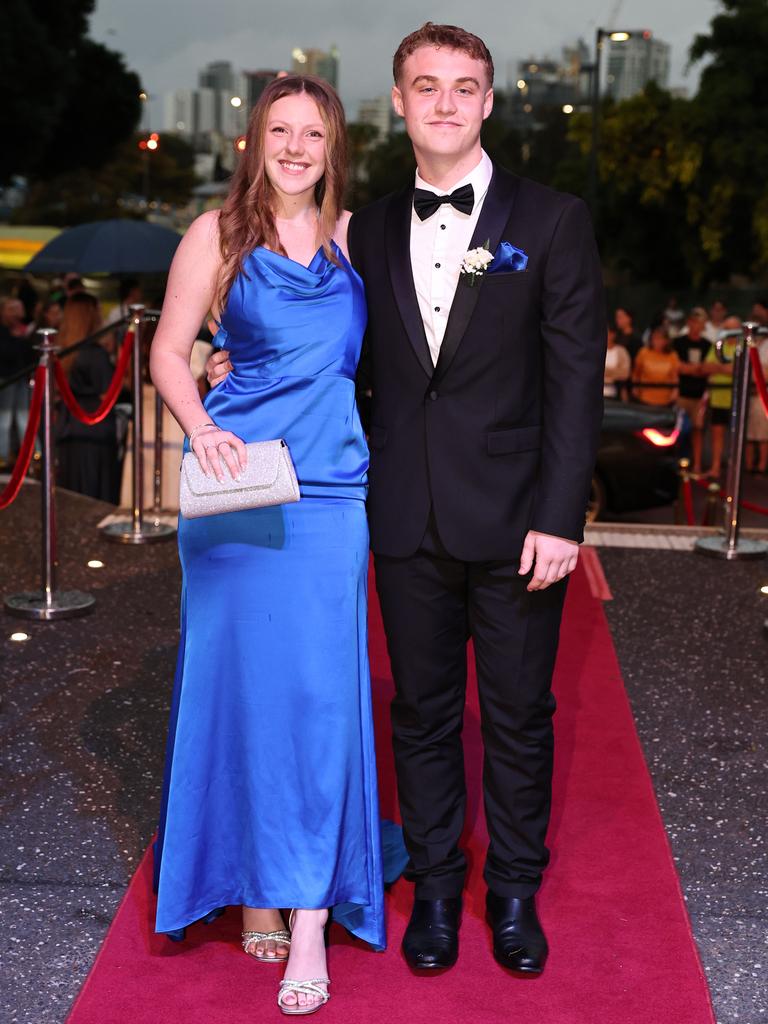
(476, 262)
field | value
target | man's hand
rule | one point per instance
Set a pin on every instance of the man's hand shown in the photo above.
(552, 558)
(218, 367)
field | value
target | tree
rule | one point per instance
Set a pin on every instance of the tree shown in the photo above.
(730, 117)
(361, 139)
(682, 188)
(649, 160)
(67, 101)
(114, 190)
(390, 166)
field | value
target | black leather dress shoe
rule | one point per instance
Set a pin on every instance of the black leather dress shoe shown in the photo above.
(518, 940)
(431, 940)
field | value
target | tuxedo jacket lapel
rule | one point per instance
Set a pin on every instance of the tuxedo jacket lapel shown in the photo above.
(398, 245)
(496, 211)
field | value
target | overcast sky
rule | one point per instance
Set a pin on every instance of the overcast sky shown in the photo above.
(168, 41)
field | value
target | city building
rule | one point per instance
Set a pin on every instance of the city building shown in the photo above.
(378, 113)
(219, 76)
(317, 62)
(255, 84)
(219, 106)
(190, 112)
(634, 62)
(540, 84)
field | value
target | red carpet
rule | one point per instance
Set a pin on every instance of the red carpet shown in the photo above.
(621, 947)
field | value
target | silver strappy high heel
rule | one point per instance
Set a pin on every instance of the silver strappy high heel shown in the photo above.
(309, 987)
(251, 939)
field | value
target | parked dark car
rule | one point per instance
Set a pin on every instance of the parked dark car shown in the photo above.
(640, 446)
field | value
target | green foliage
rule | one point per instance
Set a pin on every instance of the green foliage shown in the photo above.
(390, 166)
(730, 114)
(682, 188)
(114, 189)
(67, 100)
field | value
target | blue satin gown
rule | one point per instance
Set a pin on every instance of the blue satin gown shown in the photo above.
(270, 796)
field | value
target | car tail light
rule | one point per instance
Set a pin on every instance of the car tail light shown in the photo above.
(657, 438)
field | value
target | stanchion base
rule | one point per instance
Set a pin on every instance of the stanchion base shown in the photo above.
(64, 604)
(717, 547)
(150, 533)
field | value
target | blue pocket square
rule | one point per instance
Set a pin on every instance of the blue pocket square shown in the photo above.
(508, 258)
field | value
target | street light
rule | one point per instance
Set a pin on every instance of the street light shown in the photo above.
(147, 146)
(621, 36)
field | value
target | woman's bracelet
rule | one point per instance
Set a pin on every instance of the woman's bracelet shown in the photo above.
(195, 430)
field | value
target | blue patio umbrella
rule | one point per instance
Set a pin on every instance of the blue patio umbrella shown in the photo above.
(108, 247)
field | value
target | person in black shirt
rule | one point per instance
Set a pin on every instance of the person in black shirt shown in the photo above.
(626, 335)
(692, 347)
(16, 353)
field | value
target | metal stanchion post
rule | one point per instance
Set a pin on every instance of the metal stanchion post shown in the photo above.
(135, 530)
(731, 547)
(683, 467)
(48, 602)
(157, 504)
(712, 509)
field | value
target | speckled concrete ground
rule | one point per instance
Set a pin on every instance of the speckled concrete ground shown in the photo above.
(693, 651)
(84, 715)
(83, 723)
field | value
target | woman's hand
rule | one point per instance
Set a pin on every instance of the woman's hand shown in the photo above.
(213, 447)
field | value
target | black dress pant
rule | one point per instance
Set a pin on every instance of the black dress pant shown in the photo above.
(432, 604)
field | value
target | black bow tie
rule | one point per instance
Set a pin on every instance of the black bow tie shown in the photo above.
(426, 203)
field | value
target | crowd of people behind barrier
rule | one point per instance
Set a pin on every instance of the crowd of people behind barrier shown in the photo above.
(672, 363)
(94, 460)
(88, 458)
(675, 363)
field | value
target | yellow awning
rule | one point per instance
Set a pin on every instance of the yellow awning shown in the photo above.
(19, 244)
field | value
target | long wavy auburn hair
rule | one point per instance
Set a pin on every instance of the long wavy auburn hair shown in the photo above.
(247, 218)
(81, 318)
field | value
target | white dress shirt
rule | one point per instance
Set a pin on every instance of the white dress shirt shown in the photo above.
(438, 246)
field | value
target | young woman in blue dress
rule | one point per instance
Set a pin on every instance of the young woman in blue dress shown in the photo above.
(269, 797)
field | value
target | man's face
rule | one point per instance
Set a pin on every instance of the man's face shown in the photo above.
(760, 313)
(717, 312)
(13, 312)
(695, 327)
(444, 96)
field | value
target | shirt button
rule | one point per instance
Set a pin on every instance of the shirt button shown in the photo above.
(437, 309)
(433, 396)
(442, 227)
(437, 265)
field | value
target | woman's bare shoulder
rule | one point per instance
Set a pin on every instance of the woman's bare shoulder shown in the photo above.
(204, 230)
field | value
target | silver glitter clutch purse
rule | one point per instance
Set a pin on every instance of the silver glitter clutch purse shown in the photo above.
(268, 479)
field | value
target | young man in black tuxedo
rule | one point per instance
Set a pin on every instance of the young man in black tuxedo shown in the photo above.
(485, 414)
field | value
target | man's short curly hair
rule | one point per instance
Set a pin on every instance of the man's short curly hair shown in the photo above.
(451, 37)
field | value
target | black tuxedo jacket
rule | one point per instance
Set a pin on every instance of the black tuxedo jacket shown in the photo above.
(500, 437)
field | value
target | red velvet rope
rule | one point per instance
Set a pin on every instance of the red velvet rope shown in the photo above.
(749, 505)
(28, 444)
(757, 372)
(113, 391)
(688, 502)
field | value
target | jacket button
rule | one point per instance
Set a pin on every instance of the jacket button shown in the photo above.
(433, 396)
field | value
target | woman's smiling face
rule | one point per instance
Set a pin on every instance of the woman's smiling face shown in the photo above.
(294, 144)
